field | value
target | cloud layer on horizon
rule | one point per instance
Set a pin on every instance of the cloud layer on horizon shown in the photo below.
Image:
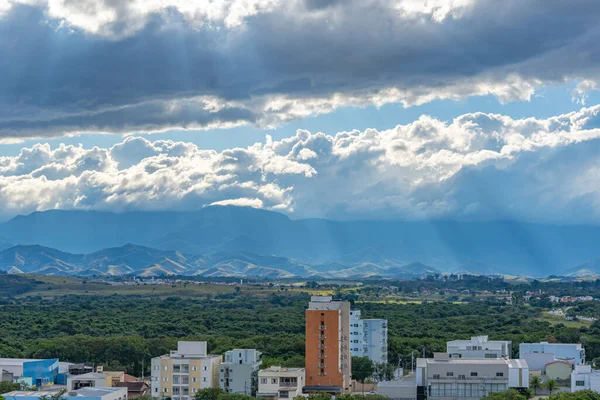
(140, 66)
(479, 166)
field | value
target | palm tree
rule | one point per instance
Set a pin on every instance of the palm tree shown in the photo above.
(535, 383)
(551, 385)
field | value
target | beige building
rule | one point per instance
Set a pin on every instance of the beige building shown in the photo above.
(182, 373)
(277, 383)
(559, 370)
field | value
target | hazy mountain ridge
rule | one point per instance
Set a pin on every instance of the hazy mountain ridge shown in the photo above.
(477, 247)
(143, 261)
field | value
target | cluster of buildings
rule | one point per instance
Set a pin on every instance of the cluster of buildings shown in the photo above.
(334, 333)
(468, 369)
(46, 377)
(569, 299)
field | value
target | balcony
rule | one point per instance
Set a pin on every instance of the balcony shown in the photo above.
(322, 327)
(321, 356)
(322, 336)
(288, 384)
(321, 346)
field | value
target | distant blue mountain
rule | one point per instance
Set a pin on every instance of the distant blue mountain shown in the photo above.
(501, 246)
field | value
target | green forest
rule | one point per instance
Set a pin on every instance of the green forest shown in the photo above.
(126, 331)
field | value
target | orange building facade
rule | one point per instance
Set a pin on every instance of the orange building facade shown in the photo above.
(327, 345)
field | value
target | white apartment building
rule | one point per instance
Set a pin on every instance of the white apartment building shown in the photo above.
(277, 383)
(368, 337)
(180, 374)
(443, 377)
(479, 347)
(239, 371)
(584, 377)
(538, 353)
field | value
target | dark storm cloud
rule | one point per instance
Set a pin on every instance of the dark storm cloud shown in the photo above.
(73, 69)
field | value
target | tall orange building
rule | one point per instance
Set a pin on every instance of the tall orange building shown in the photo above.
(328, 362)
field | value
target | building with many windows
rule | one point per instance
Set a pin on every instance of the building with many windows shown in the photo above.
(479, 347)
(328, 362)
(368, 337)
(239, 371)
(277, 383)
(180, 374)
(443, 377)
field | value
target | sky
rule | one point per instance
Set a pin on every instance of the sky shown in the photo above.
(382, 109)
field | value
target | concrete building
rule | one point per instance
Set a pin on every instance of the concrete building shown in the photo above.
(368, 337)
(443, 377)
(584, 377)
(559, 370)
(81, 394)
(401, 389)
(328, 362)
(239, 371)
(180, 374)
(571, 352)
(33, 372)
(479, 347)
(277, 383)
(6, 376)
(92, 379)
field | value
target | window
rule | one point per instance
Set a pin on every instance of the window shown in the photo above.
(165, 379)
(156, 390)
(194, 368)
(449, 373)
(473, 373)
(284, 394)
(240, 361)
(499, 374)
(263, 381)
(436, 376)
(194, 379)
(166, 367)
(194, 390)
(204, 379)
(274, 381)
(156, 367)
(579, 383)
(205, 368)
(165, 390)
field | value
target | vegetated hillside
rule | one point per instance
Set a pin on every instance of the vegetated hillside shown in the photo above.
(144, 261)
(477, 247)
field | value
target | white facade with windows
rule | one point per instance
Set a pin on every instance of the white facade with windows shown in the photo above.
(239, 371)
(182, 373)
(277, 383)
(479, 347)
(443, 377)
(368, 337)
(584, 377)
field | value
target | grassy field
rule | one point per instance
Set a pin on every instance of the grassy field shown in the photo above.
(555, 320)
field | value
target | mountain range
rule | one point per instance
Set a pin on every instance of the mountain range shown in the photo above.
(143, 261)
(194, 241)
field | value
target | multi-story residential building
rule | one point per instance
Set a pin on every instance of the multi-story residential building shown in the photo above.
(180, 374)
(278, 383)
(327, 358)
(368, 337)
(443, 377)
(239, 371)
(90, 393)
(479, 347)
(585, 378)
(538, 353)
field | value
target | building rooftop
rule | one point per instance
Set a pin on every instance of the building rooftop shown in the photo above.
(438, 359)
(17, 361)
(90, 375)
(282, 369)
(84, 392)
